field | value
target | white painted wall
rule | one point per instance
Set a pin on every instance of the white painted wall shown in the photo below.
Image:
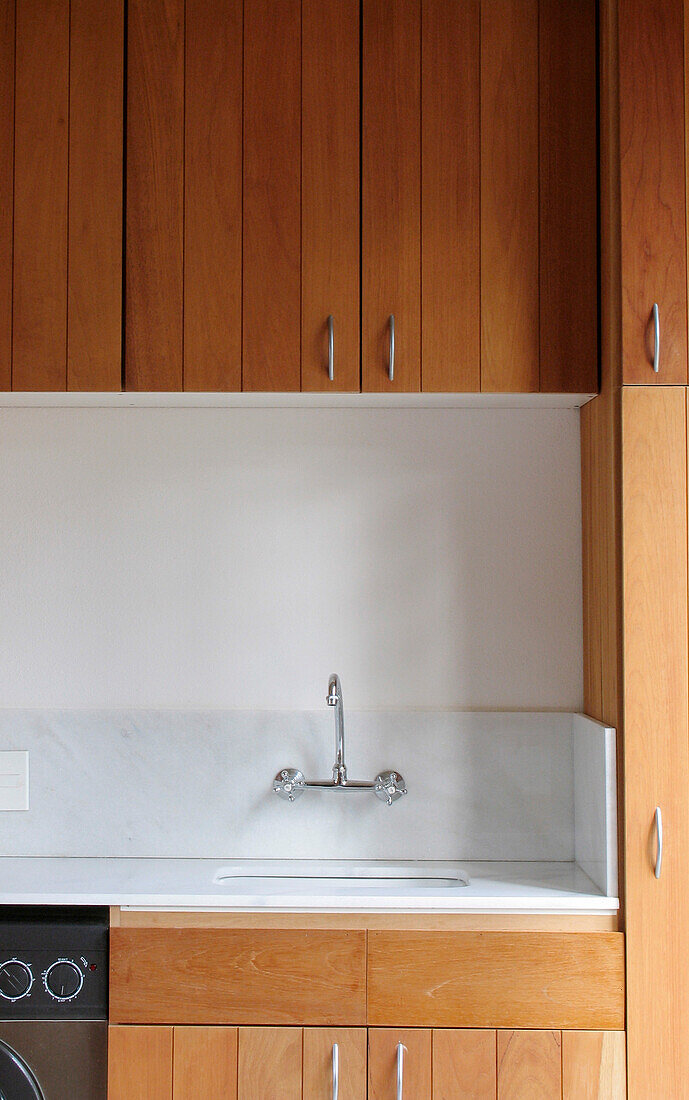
(234, 557)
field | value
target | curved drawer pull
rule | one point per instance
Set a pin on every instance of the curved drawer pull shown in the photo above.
(391, 360)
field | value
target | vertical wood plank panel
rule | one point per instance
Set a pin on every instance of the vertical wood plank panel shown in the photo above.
(318, 1062)
(155, 155)
(6, 187)
(451, 269)
(656, 742)
(94, 318)
(391, 193)
(140, 1063)
(205, 1063)
(568, 197)
(464, 1064)
(529, 1065)
(593, 1065)
(382, 1062)
(213, 196)
(330, 192)
(272, 195)
(654, 246)
(270, 1063)
(509, 196)
(40, 195)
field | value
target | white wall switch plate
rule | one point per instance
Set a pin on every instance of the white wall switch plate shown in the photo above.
(14, 780)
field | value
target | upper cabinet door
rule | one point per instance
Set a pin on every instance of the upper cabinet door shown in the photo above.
(330, 195)
(184, 195)
(509, 196)
(391, 196)
(653, 214)
(450, 206)
(61, 182)
(272, 195)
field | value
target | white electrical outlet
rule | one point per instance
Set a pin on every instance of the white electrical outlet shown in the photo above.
(14, 780)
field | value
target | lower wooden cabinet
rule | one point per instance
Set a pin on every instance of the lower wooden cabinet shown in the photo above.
(291, 1063)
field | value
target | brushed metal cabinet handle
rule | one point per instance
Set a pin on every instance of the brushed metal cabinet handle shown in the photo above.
(391, 360)
(401, 1049)
(331, 347)
(656, 338)
(659, 842)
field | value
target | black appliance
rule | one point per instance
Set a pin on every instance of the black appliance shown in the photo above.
(53, 1004)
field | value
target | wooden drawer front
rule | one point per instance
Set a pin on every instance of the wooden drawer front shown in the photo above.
(237, 976)
(499, 979)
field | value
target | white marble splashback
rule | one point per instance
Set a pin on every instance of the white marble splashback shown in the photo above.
(482, 785)
(595, 802)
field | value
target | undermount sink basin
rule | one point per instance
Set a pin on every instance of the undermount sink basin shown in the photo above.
(354, 874)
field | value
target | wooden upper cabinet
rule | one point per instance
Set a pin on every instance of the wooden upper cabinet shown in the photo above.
(652, 169)
(61, 186)
(479, 196)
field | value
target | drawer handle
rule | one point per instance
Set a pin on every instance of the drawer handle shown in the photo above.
(656, 338)
(659, 842)
(331, 347)
(336, 1071)
(401, 1050)
(391, 360)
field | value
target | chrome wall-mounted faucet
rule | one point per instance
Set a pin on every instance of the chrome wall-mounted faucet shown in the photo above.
(289, 783)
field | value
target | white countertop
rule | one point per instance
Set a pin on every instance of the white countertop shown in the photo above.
(188, 884)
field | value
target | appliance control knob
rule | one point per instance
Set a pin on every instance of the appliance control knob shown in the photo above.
(63, 980)
(16, 979)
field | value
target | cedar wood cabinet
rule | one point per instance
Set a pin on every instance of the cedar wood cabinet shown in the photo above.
(288, 177)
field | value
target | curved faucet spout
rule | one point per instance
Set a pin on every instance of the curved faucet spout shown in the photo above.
(334, 699)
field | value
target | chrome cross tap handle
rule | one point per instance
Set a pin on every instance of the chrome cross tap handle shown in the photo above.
(389, 786)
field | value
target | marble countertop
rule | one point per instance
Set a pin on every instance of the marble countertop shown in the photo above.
(537, 887)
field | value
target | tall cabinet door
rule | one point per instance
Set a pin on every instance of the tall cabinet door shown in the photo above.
(654, 245)
(656, 734)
